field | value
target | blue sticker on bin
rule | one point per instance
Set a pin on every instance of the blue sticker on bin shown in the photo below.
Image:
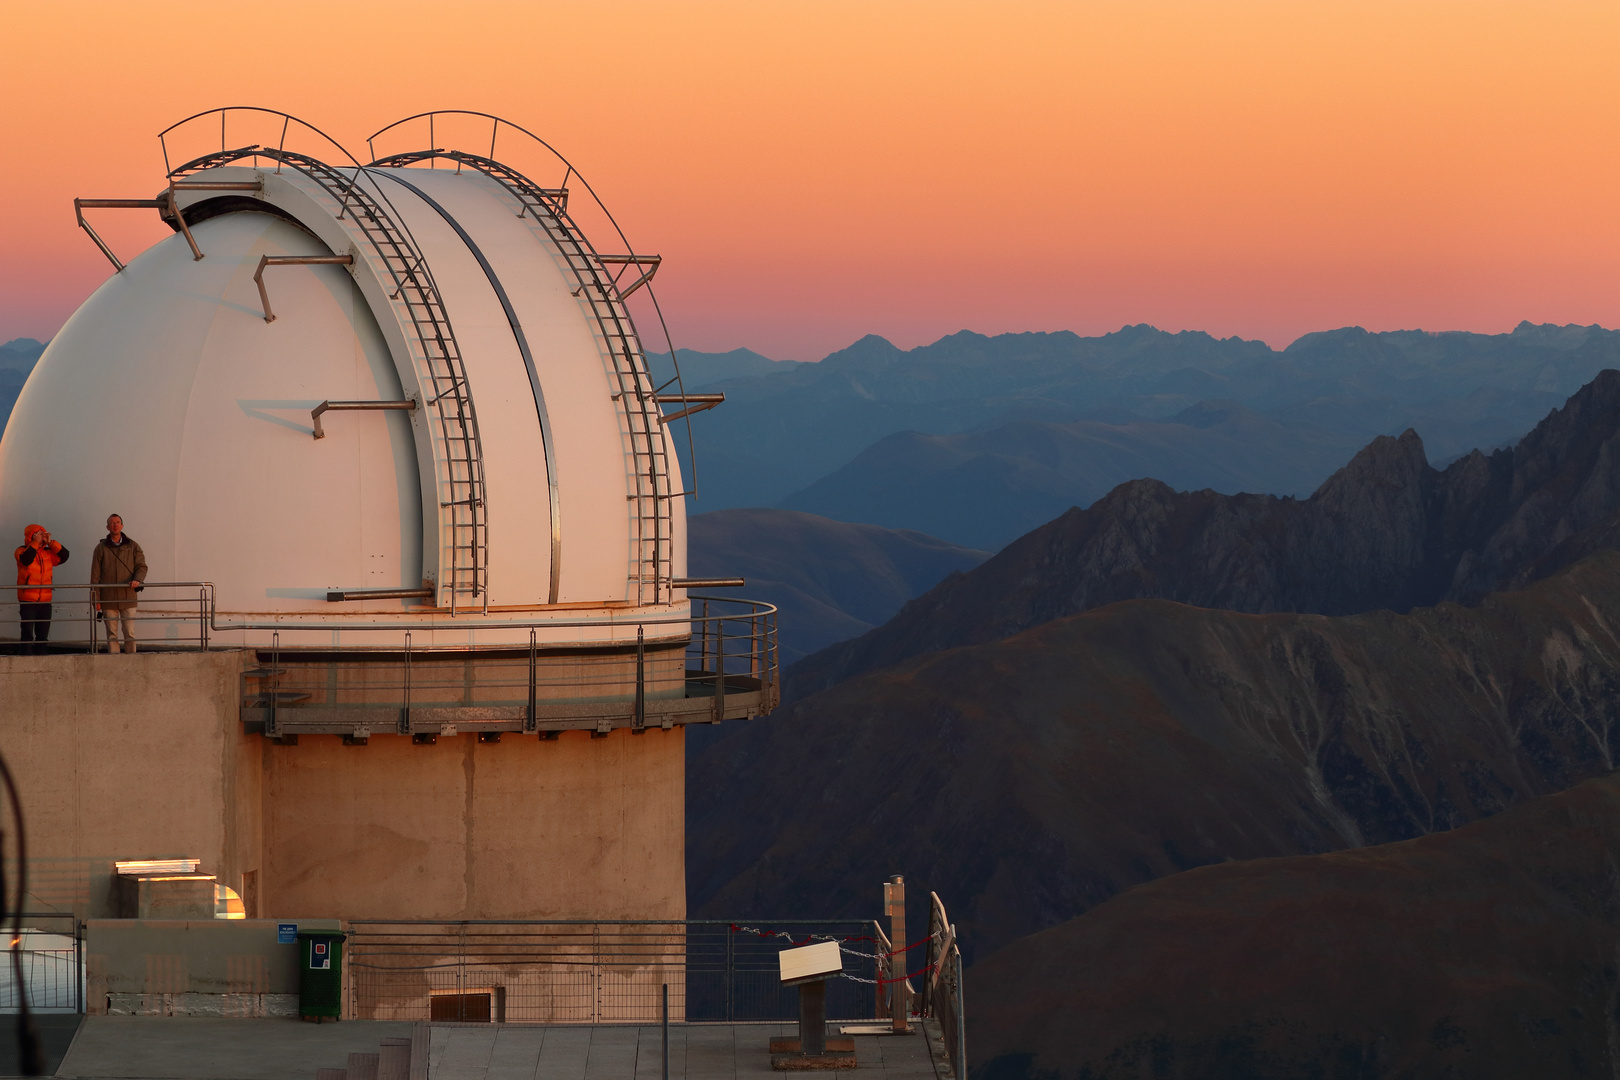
(320, 956)
(287, 933)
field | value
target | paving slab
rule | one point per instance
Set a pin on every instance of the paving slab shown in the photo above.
(211, 1048)
(173, 1048)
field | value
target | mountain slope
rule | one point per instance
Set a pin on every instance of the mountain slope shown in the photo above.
(1487, 952)
(1029, 778)
(830, 579)
(1387, 530)
(986, 488)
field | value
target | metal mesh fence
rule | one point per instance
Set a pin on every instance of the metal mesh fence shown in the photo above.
(596, 972)
(52, 966)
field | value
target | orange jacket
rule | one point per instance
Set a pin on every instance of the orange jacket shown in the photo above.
(34, 566)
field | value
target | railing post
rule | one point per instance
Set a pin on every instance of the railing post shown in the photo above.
(730, 975)
(274, 682)
(405, 710)
(720, 669)
(638, 722)
(532, 719)
(703, 639)
(894, 901)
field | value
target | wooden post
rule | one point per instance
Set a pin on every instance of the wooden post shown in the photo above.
(894, 905)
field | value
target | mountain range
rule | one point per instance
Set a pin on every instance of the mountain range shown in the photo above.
(1033, 423)
(1385, 531)
(1029, 778)
(830, 580)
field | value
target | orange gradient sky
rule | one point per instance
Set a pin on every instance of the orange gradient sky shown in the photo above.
(812, 172)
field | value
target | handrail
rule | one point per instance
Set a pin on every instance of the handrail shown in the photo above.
(942, 987)
(560, 195)
(756, 609)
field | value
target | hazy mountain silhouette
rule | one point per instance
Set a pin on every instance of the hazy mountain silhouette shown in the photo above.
(831, 580)
(788, 426)
(986, 488)
(1487, 952)
(1385, 531)
(17, 359)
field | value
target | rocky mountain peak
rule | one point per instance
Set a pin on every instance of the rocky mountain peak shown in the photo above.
(1385, 531)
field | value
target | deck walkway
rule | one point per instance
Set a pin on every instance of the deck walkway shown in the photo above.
(169, 1048)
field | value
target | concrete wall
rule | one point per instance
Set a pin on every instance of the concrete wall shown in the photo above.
(213, 967)
(574, 827)
(123, 757)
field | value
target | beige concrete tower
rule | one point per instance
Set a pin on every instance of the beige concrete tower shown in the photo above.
(417, 640)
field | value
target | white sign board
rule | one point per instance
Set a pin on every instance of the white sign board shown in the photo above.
(811, 961)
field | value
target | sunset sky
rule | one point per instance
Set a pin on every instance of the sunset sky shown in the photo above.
(813, 172)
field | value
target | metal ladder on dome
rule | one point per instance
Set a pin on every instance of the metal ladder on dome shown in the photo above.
(648, 466)
(458, 452)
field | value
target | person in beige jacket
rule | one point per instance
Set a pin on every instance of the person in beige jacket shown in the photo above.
(119, 566)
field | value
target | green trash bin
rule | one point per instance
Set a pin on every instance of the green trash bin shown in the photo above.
(320, 974)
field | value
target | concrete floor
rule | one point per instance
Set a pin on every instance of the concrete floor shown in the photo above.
(193, 1048)
(169, 1048)
(696, 1052)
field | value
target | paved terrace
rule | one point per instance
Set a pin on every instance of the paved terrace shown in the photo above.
(170, 1048)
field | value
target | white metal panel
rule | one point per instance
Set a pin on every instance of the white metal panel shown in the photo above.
(588, 443)
(169, 400)
(273, 515)
(514, 454)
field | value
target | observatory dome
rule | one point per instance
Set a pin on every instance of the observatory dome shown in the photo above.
(493, 459)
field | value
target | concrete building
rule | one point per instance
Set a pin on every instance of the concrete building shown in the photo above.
(416, 639)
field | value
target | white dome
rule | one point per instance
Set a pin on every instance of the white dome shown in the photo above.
(167, 398)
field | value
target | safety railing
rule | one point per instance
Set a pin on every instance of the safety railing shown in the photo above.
(168, 614)
(728, 667)
(942, 985)
(52, 948)
(583, 972)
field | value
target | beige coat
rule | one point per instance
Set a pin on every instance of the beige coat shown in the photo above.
(117, 565)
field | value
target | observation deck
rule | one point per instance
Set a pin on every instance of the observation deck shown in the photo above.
(723, 664)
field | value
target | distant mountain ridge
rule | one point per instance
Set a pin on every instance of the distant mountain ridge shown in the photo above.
(1385, 531)
(17, 359)
(985, 488)
(831, 580)
(786, 427)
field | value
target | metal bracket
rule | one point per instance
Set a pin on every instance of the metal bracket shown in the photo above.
(651, 262)
(698, 402)
(292, 260)
(355, 406)
(168, 200)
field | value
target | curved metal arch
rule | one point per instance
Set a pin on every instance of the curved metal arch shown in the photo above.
(663, 325)
(547, 444)
(415, 285)
(224, 111)
(643, 423)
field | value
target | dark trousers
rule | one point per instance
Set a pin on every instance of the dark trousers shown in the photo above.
(36, 621)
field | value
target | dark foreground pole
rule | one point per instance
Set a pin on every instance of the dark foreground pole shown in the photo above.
(666, 1031)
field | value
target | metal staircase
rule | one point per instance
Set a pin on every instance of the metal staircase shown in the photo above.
(420, 313)
(648, 488)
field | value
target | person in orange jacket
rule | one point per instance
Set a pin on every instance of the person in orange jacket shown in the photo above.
(38, 556)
